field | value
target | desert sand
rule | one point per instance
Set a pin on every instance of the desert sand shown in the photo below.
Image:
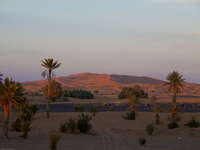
(110, 132)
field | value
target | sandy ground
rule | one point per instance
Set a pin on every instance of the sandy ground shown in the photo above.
(110, 132)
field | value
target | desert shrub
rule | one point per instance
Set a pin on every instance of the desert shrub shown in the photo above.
(136, 90)
(142, 141)
(63, 99)
(63, 128)
(173, 125)
(83, 123)
(33, 109)
(149, 129)
(82, 94)
(93, 110)
(156, 109)
(16, 125)
(25, 128)
(78, 108)
(53, 141)
(23, 122)
(130, 115)
(193, 123)
(71, 125)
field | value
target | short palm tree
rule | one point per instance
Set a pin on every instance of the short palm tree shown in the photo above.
(175, 84)
(11, 93)
(50, 65)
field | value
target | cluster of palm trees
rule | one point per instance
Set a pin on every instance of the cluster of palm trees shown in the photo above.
(12, 93)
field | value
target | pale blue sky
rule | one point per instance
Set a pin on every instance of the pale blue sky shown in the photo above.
(134, 37)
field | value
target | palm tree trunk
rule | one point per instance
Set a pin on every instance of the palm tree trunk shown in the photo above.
(48, 109)
(6, 109)
(49, 97)
(174, 98)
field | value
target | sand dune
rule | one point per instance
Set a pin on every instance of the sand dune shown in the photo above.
(112, 84)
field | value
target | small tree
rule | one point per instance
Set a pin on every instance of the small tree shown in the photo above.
(56, 90)
(53, 141)
(157, 115)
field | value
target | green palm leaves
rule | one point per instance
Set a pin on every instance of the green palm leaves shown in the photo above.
(50, 65)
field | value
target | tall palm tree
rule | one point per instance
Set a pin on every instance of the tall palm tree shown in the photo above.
(50, 65)
(11, 92)
(175, 84)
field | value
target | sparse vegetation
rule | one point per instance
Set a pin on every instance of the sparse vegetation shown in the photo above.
(137, 91)
(83, 123)
(157, 115)
(82, 94)
(130, 115)
(23, 122)
(71, 125)
(78, 107)
(53, 141)
(193, 123)
(63, 128)
(149, 129)
(173, 125)
(142, 141)
(93, 110)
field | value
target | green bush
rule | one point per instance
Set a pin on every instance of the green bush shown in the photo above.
(173, 125)
(193, 123)
(130, 115)
(136, 90)
(93, 110)
(23, 122)
(142, 141)
(71, 125)
(25, 127)
(83, 123)
(78, 108)
(150, 129)
(53, 141)
(63, 128)
(33, 109)
(82, 94)
(16, 125)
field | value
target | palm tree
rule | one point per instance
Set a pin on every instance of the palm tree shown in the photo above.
(175, 84)
(50, 65)
(11, 92)
(56, 90)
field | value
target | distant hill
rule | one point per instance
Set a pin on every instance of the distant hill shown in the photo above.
(112, 84)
